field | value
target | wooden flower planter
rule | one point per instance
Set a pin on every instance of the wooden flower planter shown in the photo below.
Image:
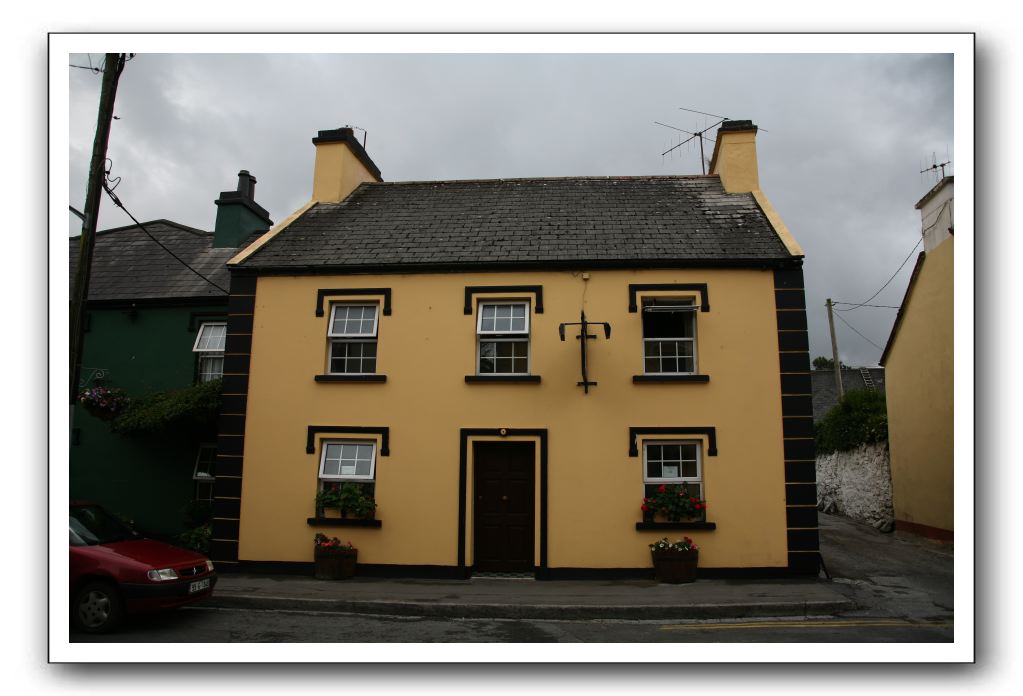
(675, 567)
(335, 564)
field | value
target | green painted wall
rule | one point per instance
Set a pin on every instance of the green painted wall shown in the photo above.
(148, 480)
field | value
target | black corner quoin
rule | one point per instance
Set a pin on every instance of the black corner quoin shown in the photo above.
(636, 288)
(323, 293)
(536, 290)
(709, 431)
(313, 430)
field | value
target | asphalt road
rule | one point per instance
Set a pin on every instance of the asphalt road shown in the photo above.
(903, 586)
(207, 625)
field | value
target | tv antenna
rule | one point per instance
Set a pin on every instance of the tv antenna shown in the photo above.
(936, 166)
(696, 135)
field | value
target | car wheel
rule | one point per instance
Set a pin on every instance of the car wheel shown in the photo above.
(96, 608)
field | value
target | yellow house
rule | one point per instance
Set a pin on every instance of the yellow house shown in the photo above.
(918, 361)
(509, 367)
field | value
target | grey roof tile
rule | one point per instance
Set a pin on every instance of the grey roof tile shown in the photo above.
(128, 265)
(499, 221)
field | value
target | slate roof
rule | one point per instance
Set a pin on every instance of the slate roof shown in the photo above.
(825, 393)
(128, 265)
(598, 221)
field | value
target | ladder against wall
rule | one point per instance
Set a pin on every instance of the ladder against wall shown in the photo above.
(868, 381)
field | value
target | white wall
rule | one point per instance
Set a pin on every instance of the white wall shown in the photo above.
(858, 482)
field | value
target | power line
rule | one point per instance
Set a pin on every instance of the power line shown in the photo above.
(882, 306)
(117, 202)
(859, 334)
(862, 304)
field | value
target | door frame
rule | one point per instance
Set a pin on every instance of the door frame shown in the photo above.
(538, 435)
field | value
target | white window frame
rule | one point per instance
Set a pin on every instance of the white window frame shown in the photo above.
(683, 302)
(351, 477)
(679, 479)
(352, 337)
(207, 354)
(200, 478)
(511, 336)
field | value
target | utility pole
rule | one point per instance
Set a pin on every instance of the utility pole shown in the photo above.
(114, 64)
(834, 353)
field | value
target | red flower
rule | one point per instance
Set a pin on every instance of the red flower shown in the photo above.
(662, 488)
(644, 507)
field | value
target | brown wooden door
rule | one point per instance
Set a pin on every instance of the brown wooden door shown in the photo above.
(503, 510)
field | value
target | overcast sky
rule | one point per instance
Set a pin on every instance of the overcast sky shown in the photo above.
(843, 139)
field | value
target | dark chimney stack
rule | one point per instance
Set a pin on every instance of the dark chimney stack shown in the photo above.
(247, 185)
(238, 214)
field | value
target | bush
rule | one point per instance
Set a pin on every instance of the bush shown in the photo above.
(192, 410)
(198, 513)
(860, 418)
(197, 539)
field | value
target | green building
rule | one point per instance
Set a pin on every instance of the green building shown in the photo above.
(156, 323)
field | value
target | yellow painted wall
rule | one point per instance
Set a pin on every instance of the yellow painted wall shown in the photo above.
(919, 388)
(426, 348)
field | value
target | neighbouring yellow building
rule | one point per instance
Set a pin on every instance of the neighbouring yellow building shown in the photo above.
(918, 363)
(509, 367)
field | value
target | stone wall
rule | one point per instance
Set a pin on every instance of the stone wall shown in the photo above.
(857, 484)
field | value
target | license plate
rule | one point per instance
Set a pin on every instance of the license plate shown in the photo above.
(199, 586)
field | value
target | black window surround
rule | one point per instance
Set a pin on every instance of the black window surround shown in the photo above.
(535, 290)
(636, 288)
(313, 430)
(520, 379)
(709, 431)
(324, 293)
(643, 379)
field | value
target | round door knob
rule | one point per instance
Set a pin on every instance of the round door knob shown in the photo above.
(504, 497)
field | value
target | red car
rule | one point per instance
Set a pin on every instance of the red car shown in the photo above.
(115, 570)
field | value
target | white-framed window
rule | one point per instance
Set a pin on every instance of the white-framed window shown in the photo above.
(669, 336)
(348, 460)
(674, 462)
(352, 333)
(502, 338)
(209, 345)
(203, 474)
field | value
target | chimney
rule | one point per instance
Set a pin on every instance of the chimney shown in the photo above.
(238, 214)
(341, 165)
(735, 157)
(936, 213)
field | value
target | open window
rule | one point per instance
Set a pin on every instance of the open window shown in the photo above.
(502, 338)
(209, 346)
(669, 336)
(203, 474)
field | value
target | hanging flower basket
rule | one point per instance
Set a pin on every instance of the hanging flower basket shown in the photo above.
(105, 403)
(334, 560)
(675, 562)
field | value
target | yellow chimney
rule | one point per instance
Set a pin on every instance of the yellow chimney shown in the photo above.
(341, 165)
(735, 157)
(735, 161)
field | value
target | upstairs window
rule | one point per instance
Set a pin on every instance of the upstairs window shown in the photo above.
(669, 336)
(352, 333)
(209, 345)
(502, 334)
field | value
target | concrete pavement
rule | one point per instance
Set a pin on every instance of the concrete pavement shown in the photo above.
(869, 569)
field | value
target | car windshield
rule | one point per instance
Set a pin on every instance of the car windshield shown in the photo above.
(91, 524)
